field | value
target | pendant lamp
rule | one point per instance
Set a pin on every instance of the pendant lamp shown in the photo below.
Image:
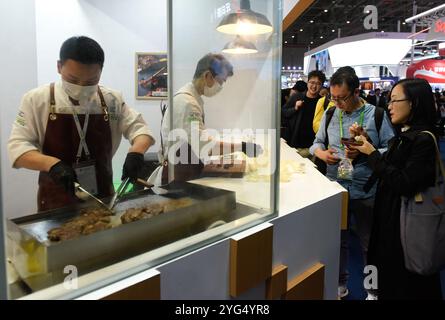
(239, 46)
(245, 21)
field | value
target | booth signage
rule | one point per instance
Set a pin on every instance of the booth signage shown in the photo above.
(431, 70)
(437, 30)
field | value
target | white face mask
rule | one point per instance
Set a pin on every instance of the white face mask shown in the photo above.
(79, 93)
(210, 92)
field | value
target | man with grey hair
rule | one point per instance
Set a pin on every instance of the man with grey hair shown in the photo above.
(212, 71)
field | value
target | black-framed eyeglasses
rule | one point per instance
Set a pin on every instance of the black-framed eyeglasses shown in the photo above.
(399, 100)
(220, 79)
(341, 100)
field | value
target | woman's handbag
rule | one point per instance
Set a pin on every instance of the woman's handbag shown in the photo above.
(422, 225)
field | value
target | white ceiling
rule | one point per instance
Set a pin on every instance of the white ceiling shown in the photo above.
(287, 6)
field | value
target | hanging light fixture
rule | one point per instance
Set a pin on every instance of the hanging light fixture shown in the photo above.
(239, 46)
(245, 21)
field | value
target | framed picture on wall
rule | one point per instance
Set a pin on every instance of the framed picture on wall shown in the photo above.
(151, 75)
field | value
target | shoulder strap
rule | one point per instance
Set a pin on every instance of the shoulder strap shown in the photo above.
(103, 103)
(52, 102)
(378, 118)
(439, 165)
(326, 102)
(329, 115)
(101, 96)
(52, 99)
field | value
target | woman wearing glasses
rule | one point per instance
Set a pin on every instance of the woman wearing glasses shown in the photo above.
(407, 168)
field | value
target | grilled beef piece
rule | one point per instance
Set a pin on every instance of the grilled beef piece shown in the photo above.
(63, 233)
(89, 221)
(154, 209)
(135, 214)
(98, 226)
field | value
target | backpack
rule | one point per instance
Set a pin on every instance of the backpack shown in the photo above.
(378, 118)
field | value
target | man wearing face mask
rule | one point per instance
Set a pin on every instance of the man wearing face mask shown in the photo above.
(211, 73)
(70, 130)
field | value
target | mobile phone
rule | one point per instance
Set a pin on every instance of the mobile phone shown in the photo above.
(351, 142)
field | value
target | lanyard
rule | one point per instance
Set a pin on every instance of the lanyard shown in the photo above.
(362, 118)
(82, 133)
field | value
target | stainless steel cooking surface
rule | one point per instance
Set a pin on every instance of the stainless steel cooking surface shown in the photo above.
(41, 262)
(83, 194)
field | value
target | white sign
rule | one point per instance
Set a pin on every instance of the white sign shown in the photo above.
(372, 19)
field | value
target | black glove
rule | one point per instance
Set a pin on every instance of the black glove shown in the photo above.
(251, 149)
(63, 174)
(132, 165)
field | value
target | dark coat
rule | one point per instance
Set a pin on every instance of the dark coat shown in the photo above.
(295, 135)
(373, 100)
(405, 169)
(290, 117)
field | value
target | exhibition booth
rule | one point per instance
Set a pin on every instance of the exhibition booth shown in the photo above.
(259, 227)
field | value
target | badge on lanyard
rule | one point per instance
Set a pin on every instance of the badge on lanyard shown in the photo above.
(86, 175)
(85, 170)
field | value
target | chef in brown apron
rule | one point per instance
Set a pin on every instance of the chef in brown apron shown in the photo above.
(69, 131)
(211, 73)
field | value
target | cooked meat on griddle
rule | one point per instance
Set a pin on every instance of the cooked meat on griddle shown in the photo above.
(98, 226)
(63, 233)
(89, 221)
(95, 213)
(154, 209)
(93, 220)
(151, 210)
(135, 214)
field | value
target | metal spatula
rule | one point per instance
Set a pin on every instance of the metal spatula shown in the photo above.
(144, 183)
(82, 194)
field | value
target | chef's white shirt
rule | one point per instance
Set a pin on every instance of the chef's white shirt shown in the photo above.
(28, 130)
(188, 108)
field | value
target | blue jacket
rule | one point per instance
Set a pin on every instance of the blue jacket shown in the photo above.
(362, 171)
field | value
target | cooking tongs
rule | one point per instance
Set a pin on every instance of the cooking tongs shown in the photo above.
(83, 194)
(119, 192)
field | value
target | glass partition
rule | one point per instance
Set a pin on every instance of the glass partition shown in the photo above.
(225, 71)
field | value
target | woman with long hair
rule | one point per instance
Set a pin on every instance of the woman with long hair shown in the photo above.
(408, 167)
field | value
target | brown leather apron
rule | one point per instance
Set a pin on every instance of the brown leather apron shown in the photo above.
(62, 140)
(184, 171)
